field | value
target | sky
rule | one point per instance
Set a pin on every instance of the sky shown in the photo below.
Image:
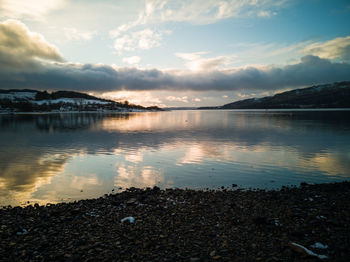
(180, 53)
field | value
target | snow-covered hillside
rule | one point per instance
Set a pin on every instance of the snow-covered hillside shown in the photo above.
(18, 96)
(78, 101)
(32, 96)
(38, 101)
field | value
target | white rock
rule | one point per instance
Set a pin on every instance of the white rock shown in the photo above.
(24, 232)
(319, 246)
(307, 251)
(130, 219)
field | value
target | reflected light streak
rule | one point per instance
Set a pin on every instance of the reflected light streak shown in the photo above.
(20, 182)
(80, 182)
(151, 121)
(329, 164)
(147, 176)
(134, 157)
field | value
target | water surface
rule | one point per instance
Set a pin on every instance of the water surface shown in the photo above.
(64, 157)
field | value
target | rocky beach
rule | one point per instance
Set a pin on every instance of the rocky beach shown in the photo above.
(305, 223)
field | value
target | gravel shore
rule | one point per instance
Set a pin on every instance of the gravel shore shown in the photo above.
(306, 223)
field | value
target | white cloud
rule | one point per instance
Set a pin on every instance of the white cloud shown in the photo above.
(266, 14)
(262, 54)
(73, 34)
(132, 60)
(147, 38)
(33, 9)
(208, 64)
(156, 12)
(22, 49)
(121, 29)
(338, 48)
(205, 12)
(196, 99)
(245, 96)
(124, 43)
(195, 62)
(191, 56)
(144, 39)
(183, 99)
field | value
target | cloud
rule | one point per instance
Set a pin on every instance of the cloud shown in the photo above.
(183, 99)
(79, 182)
(21, 49)
(132, 60)
(32, 9)
(139, 176)
(200, 12)
(145, 98)
(27, 60)
(73, 34)
(338, 48)
(191, 56)
(26, 179)
(196, 63)
(103, 78)
(144, 39)
(266, 14)
(156, 12)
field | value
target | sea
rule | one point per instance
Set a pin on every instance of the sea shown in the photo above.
(64, 157)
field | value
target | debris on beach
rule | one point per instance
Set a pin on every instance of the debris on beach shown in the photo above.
(129, 219)
(319, 246)
(23, 232)
(304, 251)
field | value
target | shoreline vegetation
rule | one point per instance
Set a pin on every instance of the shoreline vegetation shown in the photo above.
(306, 223)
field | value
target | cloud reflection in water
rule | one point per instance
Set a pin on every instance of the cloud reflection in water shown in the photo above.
(47, 157)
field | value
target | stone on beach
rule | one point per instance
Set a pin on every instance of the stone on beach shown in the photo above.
(184, 225)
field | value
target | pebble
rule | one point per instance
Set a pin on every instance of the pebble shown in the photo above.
(202, 225)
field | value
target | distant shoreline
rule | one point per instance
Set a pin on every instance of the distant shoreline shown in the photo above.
(277, 109)
(78, 112)
(169, 109)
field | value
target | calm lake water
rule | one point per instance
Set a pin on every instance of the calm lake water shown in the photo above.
(64, 157)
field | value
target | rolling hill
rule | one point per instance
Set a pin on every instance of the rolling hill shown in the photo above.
(336, 95)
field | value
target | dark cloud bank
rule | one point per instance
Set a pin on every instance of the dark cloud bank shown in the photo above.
(311, 70)
(28, 61)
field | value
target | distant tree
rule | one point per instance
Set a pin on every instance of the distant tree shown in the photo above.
(44, 107)
(42, 95)
(25, 106)
(6, 103)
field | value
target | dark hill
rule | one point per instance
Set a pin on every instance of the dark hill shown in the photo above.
(336, 95)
